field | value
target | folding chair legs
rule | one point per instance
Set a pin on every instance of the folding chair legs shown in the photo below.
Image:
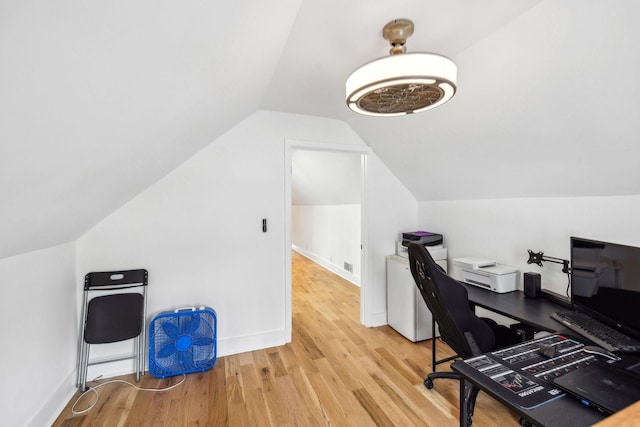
(83, 364)
(83, 350)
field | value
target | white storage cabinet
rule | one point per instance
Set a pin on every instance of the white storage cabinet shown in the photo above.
(407, 312)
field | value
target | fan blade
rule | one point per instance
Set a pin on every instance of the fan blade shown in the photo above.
(166, 351)
(194, 324)
(186, 359)
(202, 341)
(171, 330)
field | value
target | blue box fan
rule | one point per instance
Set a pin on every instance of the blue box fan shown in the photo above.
(182, 341)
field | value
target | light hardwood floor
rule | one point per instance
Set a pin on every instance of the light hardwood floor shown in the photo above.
(335, 372)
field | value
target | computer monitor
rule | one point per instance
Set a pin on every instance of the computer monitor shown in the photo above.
(605, 283)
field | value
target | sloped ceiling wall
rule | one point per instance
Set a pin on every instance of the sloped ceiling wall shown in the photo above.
(99, 100)
(547, 107)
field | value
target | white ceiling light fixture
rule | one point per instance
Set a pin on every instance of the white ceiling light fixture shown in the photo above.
(403, 83)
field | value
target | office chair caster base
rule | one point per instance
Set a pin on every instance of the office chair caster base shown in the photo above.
(428, 383)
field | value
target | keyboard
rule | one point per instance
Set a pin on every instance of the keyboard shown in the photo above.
(597, 332)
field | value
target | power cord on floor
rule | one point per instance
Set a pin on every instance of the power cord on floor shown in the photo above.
(95, 390)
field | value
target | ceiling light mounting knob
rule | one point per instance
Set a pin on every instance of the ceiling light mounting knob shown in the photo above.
(397, 32)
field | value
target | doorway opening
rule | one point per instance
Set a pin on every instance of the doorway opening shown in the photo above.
(307, 149)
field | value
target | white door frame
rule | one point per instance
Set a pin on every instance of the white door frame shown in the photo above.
(364, 151)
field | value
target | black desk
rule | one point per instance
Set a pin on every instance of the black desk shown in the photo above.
(561, 412)
(532, 312)
(564, 411)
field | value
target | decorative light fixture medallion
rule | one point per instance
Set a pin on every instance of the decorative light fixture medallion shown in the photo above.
(402, 83)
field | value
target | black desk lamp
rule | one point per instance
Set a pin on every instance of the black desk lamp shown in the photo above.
(539, 257)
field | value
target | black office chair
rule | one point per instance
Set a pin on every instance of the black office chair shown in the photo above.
(113, 317)
(460, 328)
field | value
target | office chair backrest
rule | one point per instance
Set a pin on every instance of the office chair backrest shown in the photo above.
(448, 301)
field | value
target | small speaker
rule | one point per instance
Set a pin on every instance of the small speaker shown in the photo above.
(532, 285)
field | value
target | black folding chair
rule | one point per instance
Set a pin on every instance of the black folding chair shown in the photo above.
(110, 315)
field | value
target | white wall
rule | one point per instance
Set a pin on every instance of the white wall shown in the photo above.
(326, 212)
(329, 235)
(391, 209)
(39, 334)
(199, 231)
(503, 229)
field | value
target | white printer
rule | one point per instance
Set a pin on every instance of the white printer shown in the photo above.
(485, 274)
(437, 252)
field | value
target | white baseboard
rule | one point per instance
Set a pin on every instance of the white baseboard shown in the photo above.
(377, 319)
(53, 407)
(225, 347)
(326, 264)
(252, 342)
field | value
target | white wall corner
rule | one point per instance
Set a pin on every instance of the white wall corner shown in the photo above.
(53, 407)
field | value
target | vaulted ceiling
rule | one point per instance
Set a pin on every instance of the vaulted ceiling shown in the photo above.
(98, 100)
